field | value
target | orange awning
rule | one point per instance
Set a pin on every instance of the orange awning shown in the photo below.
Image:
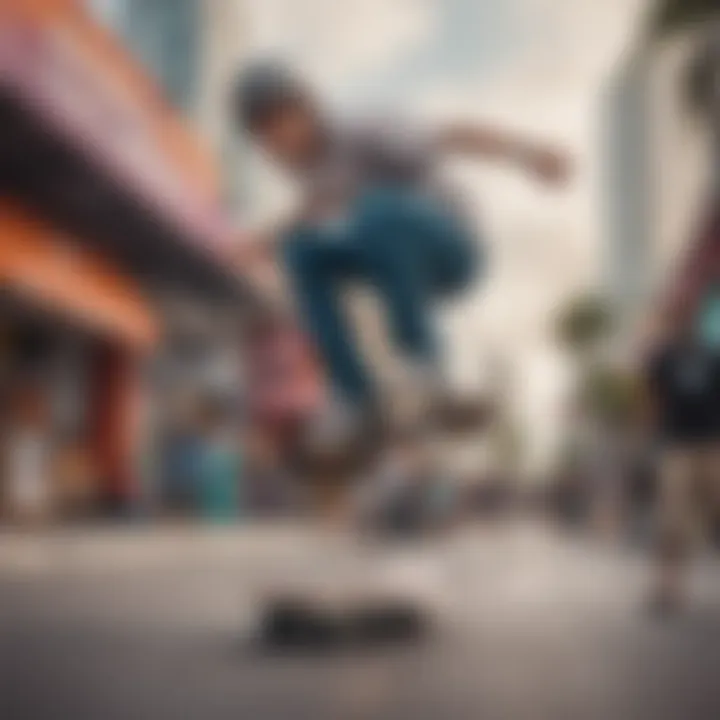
(54, 273)
(76, 78)
(93, 67)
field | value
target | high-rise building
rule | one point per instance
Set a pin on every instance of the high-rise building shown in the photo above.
(222, 50)
(165, 36)
(192, 48)
(658, 177)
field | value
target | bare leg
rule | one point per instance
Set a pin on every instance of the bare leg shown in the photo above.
(676, 521)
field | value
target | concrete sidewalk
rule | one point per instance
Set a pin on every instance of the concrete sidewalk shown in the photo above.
(530, 625)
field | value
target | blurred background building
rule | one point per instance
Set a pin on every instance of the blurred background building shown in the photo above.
(661, 165)
(116, 242)
(123, 185)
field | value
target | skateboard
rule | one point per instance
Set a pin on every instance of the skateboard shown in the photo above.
(341, 621)
(345, 614)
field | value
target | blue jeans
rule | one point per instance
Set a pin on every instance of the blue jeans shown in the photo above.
(407, 246)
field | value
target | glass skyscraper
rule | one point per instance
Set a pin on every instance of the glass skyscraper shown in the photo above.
(165, 36)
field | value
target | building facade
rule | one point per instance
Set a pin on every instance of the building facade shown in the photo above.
(108, 204)
(663, 186)
(660, 184)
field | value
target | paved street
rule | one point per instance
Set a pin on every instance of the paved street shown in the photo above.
(157, 624)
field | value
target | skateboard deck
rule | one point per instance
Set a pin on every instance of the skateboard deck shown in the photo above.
(304, 621)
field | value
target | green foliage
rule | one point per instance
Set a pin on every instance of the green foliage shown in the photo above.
(611, 395)
(674, 15)
(582, 324)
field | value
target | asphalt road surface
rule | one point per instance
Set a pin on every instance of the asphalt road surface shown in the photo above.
(529, 624)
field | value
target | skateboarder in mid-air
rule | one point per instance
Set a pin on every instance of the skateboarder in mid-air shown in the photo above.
(372, 212)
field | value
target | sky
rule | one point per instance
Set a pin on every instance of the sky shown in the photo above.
(539, 67)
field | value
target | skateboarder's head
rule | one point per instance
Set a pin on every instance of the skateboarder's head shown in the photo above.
(279, 111)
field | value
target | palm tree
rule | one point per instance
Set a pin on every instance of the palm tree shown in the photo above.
(672, 15)
(605, 392)
(582, 325)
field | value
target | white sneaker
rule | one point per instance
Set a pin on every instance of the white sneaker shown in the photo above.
(414, 393)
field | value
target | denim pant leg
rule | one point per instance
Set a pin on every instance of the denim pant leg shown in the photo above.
(414, 252)
(318, 265)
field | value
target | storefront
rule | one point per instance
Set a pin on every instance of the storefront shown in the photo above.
(73, 333)
(106, 199)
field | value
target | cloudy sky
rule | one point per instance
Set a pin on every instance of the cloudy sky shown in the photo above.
(538, 66)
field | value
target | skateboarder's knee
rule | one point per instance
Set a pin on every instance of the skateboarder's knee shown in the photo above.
(300, 249)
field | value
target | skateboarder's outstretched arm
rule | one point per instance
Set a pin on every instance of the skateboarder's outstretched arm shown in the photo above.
(474, 140)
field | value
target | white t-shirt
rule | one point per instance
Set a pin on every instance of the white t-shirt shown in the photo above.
(365, 154)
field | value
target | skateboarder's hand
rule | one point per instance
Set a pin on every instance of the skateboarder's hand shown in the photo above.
(548, 165)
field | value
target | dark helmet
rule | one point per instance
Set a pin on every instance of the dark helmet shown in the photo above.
(262, 89)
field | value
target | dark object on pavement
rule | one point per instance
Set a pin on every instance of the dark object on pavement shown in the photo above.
(298, 623)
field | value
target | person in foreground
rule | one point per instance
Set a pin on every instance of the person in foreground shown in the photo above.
(372, 213)
(683, 392)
